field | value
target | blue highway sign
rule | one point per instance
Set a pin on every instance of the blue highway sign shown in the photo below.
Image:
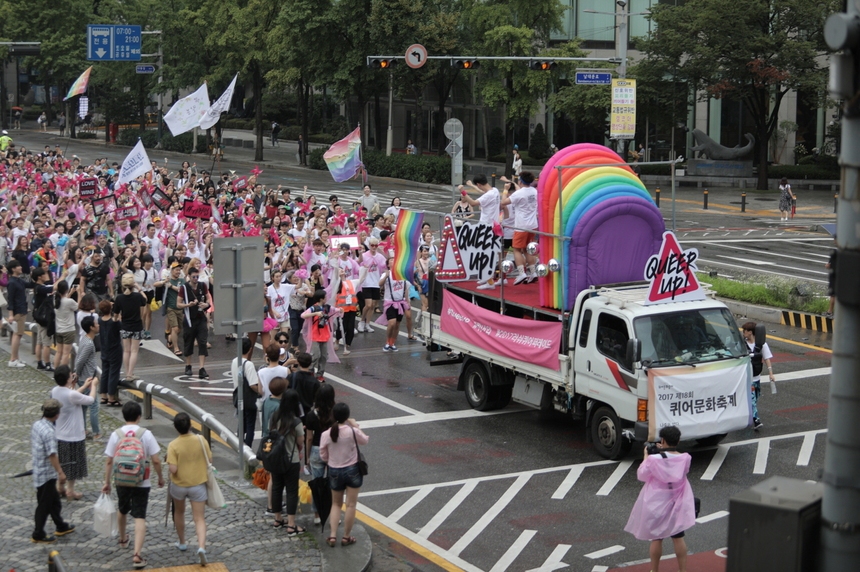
(106, 43)
(594, 78)
(144, 68)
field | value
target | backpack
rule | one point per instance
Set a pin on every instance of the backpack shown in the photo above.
(272, 451)
(45, 314)
(756, 360)
(130, 465)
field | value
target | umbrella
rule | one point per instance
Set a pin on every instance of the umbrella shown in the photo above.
(322, 497)
(16, 108)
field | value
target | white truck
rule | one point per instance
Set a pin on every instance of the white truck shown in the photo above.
(624, 367)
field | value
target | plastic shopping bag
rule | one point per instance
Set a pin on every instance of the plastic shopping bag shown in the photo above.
(104, 517)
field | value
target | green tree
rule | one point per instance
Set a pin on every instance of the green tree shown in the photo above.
(539, 146)
(755, 51)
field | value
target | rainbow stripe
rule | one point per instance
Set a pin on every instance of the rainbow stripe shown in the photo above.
(585, 192)
(343, 158)
(80, 85)
(407, 237)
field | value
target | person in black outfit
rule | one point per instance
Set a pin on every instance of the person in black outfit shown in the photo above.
(42, 287)
(16, 296)
(194, 299)
(93, 278)
(304, 382)
(111, 350)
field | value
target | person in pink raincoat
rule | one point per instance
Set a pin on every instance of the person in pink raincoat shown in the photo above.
(666, 506)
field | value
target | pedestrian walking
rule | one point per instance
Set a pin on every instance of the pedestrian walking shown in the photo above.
(339, 449)
(786, 198)
(86, 367)
(665, 506)
(172, 285)
(250, 389)
(111, 353)
(128, 305)
(760, 355)
(188, 459)
(124, 446)
(276, 129)
(317, 420)
(396, 305)
(70, 431)
(194, 301)
(48, 475)
(303, 381)
(320, 331)
(16, 297)
(285, 421)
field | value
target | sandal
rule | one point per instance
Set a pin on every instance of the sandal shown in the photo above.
(279, 524)
(331, 541)
(347, 540)
(116, 403)
(294, 530)
(138, 561)
(123, 543)
(104, 401)
(412, 338)
(177, 353)
(74, 496)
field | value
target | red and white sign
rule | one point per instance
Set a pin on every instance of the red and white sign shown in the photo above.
(416, 56)
(469, 252)
(104, 205)
(527, 340)
(193, 209)
(88, 188)
(672, 273)
(240, 182)
(127, 213)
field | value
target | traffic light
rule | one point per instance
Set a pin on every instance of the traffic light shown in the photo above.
(542, 65)
(470, 64)
(381, 63)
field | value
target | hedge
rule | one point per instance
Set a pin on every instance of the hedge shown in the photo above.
(420, 168)
(180, 144)
(800, 172)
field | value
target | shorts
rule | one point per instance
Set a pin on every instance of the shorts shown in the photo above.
(132, 500)
(127, 335)
(506, 243)
(175, 317)
(197, 493)
(340, 479)
(370, 293)
(42, 337)
(198, 330)
(150, 296)
(522, 239)
(392, 314)
(20, 324)
(679, 535)
(65, 338)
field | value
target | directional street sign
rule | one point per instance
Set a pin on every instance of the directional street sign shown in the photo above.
(416, 56)
(453, 128)
(594, 78)
(453, 148)
(144, 68)
(107, 43)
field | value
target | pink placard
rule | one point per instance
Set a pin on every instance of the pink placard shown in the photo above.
(525, 340)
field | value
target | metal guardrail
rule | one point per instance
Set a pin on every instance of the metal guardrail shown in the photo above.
(31, 327)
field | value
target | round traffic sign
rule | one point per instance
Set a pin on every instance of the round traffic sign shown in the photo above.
(453, 128)
(416, 56)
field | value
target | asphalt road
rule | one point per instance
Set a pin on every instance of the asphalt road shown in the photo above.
(515, 490)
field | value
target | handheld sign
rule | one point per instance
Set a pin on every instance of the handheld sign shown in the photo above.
(146, 199)
(161, 200)
(103, 205)
(193, 209)
(672, 273)
(240, 182)
(88, 188)
(127, 213)
(351, 240)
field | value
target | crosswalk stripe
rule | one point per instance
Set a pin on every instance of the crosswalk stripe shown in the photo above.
(567, 483)
(490, 515)
(446, 511)
(410, 504)
(761, 454)
(511, 553)
(604, 552)
(712, 516)
(716, 463)
(614, 478)
(553, 561)
(806, 450)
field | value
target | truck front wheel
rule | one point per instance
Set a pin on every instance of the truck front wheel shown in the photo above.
(606, 434)
(477, 386)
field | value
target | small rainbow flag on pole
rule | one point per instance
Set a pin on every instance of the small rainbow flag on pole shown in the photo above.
(407, 237)
(80, 85)
(343, 158)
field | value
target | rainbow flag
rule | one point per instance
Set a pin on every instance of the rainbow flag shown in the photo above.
(407, 237)
(80, 85)
(343, 158)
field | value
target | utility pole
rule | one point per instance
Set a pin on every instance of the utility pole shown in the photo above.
(160, 55)
(840, 508)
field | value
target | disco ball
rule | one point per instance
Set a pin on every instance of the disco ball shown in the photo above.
(553, 265)
(533, 248)
(542, 270)
(507, 266)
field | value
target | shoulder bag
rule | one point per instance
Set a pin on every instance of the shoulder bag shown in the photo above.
(214, 496)
(362, 462)
(248, 396)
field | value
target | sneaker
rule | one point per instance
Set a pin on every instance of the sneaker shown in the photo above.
(187, 371)
(68, 529)
(44, 540)
(361, 327)
(393, 348)
(386, 348)
(202, 373)
(270, 512)
(346, 351)
(321, 378)
(521, 278)
(16, 363)
(147, 335)
(757, 424)
(533, 277)
(486, 286)
(49, 367)
(201, 554)
(40, 365)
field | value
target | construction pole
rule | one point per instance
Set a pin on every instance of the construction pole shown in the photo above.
(840, 509)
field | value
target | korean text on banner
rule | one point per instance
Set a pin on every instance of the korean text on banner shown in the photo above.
(186, 113)
(622, 118)
(127, 213)
(515, 338)
(213, 114)
(135, 164)
(193, 209)
(701, 401)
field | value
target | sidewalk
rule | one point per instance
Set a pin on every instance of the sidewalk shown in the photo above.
(238, 536)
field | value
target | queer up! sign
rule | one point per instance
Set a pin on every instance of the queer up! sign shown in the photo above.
(672, 273)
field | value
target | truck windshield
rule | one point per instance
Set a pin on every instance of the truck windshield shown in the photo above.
(689, 337)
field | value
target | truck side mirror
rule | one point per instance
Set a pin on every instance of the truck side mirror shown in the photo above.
(634, 351)
(760, 334)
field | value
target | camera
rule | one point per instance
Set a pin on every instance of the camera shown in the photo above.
(653, 449)
(323, 321)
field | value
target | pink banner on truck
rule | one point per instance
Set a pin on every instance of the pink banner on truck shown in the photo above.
(526, 340)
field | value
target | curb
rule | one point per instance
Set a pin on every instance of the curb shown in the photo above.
(803, 320)
(815, 322)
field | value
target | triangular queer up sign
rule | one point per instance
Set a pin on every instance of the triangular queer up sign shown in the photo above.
(450, 266)
(672, 273)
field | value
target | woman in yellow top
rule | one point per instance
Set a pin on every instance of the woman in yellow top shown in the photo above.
(188, 476)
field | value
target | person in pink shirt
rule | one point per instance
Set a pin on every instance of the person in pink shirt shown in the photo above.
(666, 506)
(339, 449)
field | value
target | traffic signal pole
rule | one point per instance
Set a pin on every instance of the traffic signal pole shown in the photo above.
(840, 514)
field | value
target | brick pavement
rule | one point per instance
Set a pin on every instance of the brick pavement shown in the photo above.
(237, 535)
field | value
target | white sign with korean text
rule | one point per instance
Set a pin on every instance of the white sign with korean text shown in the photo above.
(701, 401)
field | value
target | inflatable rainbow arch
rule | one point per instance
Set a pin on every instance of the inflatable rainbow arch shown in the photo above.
(613, 224)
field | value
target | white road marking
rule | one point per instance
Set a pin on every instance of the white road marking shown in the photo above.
(703, 261)
(567, 483)
(446, 511)
(385, 400)
(157, 346)
(511, 553)
(403, 509)
(712, 516)
(806, 450)
(766, 263)
(600, 569)
(213, 394)
(761, 457)
(215, 390)
(605, 552)
(778, 255)
(553, 561)
(716, 463)
(760, 239)
(804, 374)
(614, 478)
(490, 515)
(439, 416)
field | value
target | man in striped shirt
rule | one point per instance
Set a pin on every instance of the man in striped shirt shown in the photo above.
(46, 472)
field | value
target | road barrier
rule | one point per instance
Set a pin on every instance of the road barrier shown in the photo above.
(55, 562)
(657, 196)
(706, 200)
(743, 202)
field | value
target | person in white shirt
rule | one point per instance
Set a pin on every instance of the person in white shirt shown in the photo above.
(278, 299)
(376, 265)
(394, 209)
(266, 374)
(489, 203)
(760, 356)
(524, 201)
(249, 409)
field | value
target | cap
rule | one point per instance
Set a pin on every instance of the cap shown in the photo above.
(5, 132)
(51, 405)
(175, 265)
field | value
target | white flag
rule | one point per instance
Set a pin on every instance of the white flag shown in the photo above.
(213, 114)
(136, 164)
(186, 113)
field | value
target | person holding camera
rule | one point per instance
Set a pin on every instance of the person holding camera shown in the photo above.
(666, 506)
(69, 427)
(320, 331)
